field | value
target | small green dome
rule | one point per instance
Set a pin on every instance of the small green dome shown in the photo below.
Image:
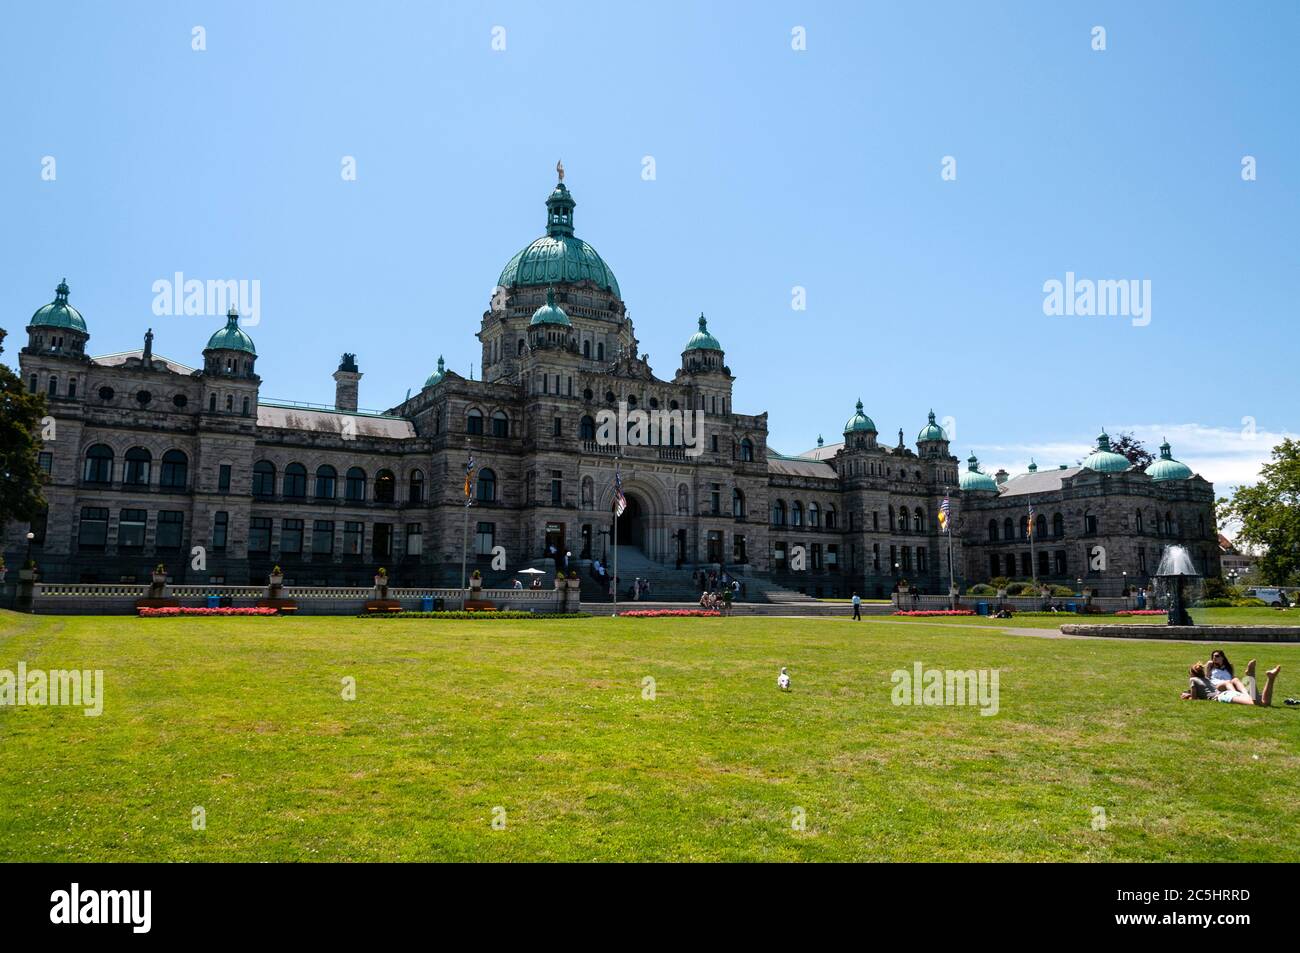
(558, 257)
(1167, 468)
(932, 431)
(859, 422)
(58, 313)
(550, 313)
(1105, 460)
(702, 340)
(436, 375)
(974, 479)
(231, 337)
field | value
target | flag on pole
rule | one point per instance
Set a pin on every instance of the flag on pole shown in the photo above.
(469, 477)
(945, 511)
(1031, 519)
(620, 501)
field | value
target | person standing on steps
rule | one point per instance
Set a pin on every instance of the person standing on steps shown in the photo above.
(857, 607)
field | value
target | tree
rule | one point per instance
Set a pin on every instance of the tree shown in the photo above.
(20, 472)
(1130, 447)
(1269, 514)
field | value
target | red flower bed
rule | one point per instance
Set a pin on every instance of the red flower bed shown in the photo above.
(1142, 612)
(186, 610)
(936, 612)
(662, 613)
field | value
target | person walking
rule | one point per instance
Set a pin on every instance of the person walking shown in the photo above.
(857, 607)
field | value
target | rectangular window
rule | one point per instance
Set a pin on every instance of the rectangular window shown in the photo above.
(130, 529)
(414, 539)
(778, 555)
(93, 533)
(322, 537)
(893, 558)
(557, 429)
(875, 520)
(715, 498)
(39, 524)
(291, 537)
(170, 525)
(46, 462)
(352, 536)
(223, 478)
(922, 559)
(259, 534)
(220, 529)
(907, 559)
(833, 557)
(484, 539)
(817, 556)
(1142, 561)
(382, 541)
(557, 488)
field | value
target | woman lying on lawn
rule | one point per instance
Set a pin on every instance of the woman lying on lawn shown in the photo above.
(1221, 675)
(1201, 687)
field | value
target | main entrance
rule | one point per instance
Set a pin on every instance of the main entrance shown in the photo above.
(631, 525)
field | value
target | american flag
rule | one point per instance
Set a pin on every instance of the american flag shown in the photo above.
(1031, 519)
(469, 477)
(945, 514)
(620, 501)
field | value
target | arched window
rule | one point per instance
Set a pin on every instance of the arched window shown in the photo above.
(354, 485)
(136, 471)
(830, 517)
(415, 487)
(1058, 524)
(586, 349)
(212, 403)
(99, 464)
(1137, 521)
(737, 503)
(474, 421)
(796, 513)
(500, 424)
(993, 530)
(1040, 527)
(1169, 523)
(1008, 529)
(326, 482)
(904, 519)
(175, 472)
(588, 493)
(245, 410)
(587, 428)
(385, 486)
(778, 512)
(263, 478)
(918, 520)
(683, 499)
(519, 348)
(486, 488)
(230, 402)
(1024, 527)
(746, 450)
(53, 386)
(814, 515)
(295, 481)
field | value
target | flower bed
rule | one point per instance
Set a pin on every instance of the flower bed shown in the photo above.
(477, 614)
(188, 610)
(1142, 612)
(668, 613)
(918, 612)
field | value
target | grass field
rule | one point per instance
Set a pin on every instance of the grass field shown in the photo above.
(245, 719)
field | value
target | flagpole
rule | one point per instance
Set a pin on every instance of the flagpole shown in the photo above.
(464, 533)
(952, 584)
(1033, 562)
(615, 502)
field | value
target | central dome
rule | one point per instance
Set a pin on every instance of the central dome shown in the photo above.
(558, 257)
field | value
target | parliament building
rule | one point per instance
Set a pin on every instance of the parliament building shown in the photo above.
(151, 460)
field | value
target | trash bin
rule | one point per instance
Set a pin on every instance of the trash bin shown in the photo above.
(982, 608)
(439, 604)
(1071, 607)
(426, 603)
(214, 602)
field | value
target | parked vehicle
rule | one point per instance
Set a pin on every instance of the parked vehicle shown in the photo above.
(1273, 596)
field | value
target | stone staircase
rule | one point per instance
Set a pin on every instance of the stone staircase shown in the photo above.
(669, 584)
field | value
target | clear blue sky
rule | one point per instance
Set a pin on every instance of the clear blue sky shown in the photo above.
(775, 168)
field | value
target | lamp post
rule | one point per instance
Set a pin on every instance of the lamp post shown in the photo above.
(30, 538)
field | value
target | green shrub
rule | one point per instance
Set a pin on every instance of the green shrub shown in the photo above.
(1062, 591)
(481, 615)
(980, 589)
(999, 582)
(1022, 589)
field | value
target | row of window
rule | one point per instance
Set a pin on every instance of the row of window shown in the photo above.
(137, 467)
(796, 514)
(819, 558)
(1091, 526)
(92, 532)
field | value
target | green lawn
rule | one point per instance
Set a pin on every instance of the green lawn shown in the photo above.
(1020, 620)
(244, 718)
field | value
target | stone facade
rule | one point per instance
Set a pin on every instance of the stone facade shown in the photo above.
(150, 459)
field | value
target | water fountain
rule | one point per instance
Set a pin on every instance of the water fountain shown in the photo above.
(1178, 584)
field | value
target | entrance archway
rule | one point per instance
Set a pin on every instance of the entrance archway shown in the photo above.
(631, 525)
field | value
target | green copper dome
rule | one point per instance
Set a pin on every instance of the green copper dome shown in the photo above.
(859, 422)
(558, 257)
(58, 313)
(932, 431)
(436, 375)
(1167, 468)
(702, 340)
(231, 337)
(974, 479)
(1105, 460)
(550, 313)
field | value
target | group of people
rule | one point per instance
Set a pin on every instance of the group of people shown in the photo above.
(713, 580)
(1216, 680)
(718, 601)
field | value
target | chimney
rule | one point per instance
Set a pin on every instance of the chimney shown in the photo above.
(1000, 477)
(346, 379)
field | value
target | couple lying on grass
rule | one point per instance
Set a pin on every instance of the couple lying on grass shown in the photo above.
(1216, 680)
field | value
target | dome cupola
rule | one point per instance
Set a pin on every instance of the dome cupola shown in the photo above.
(975, 479)
(550, 313)
(932, 431)
(437, 375)
(1167, 468)
(1105, 460)
(558, 257)
(859, 422)
(231, 337)
(702, 340)
(58, 313)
